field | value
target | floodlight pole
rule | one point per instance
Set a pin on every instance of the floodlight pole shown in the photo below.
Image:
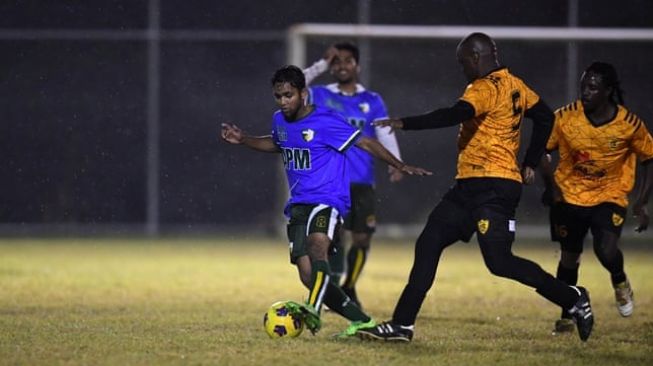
(153, 123)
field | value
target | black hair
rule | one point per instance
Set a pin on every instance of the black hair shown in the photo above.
(610, 79)
(290, 74)
(348, 46)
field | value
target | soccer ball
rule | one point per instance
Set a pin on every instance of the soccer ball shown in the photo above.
(280, 323)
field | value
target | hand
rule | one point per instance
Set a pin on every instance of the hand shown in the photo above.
(232, 134)
(528, 175)
(330, 54)
(395, 174)
(414, 170)
(640, 212)
(393, 123)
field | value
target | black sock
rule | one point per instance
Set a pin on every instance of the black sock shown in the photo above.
(337, 301)
(570, 277)
(337, 262)
(616, 268)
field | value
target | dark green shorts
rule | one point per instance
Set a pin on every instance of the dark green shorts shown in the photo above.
(362, 216)
(308, 219)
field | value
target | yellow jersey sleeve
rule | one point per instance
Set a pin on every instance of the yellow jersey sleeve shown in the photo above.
(642, 142)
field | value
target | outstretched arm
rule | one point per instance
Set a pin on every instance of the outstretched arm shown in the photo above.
(377, 150)
(443, 117)
(641, 198)
(234, 135)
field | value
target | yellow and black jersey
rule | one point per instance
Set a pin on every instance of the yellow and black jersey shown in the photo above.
(597, 163)
(488, 144)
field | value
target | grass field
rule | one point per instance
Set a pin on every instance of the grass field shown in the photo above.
(200, 302)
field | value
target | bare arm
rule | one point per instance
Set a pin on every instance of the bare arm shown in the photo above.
(234, 135)
(377, 150)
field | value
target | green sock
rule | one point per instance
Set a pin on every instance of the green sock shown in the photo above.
(337, 301)
(337, 262)
(319, 282)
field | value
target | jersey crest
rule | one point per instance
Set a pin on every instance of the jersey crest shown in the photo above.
(308, 135)
(483, 226)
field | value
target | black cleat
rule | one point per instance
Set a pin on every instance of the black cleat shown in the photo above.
(582, 313)
(387, 331)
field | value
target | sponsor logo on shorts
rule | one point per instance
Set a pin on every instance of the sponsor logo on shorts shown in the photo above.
(483, 226)
(617, 219)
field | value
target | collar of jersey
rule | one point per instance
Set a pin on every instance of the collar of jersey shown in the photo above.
(334, 89)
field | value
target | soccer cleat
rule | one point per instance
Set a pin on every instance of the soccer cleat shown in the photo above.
(387, 331)
(564, 325)
(354, 327)
(307, 313)
(623, 293)
(582, 313)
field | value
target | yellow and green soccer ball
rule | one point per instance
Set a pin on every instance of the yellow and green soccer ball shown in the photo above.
(279, 322)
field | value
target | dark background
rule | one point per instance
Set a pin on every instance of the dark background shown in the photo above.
(74, 96)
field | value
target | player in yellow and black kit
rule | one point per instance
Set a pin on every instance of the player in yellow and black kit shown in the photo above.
(487, 188)
(598, 141)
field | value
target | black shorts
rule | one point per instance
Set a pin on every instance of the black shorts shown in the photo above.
(570, 223)
(483, 205)
(362, 216)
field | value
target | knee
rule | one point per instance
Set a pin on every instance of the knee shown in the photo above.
(497, 266)
(361, 240)
(306, 279)
(569, 260)
(606, 251)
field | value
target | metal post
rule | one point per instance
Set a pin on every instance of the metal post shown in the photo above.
(572, 54)
(153, 82)
(364, 10)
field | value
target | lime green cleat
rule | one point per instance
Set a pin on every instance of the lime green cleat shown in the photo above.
(354, 327)
(307, 313)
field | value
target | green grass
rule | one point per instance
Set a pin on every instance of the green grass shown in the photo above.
(198, 302)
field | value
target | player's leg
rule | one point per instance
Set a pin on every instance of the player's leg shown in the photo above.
(569, 227)
(495, 234)
(308, 253)
(361, 223)
(607, 223)
(337, 253)
(448, 223)
(356, 259)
